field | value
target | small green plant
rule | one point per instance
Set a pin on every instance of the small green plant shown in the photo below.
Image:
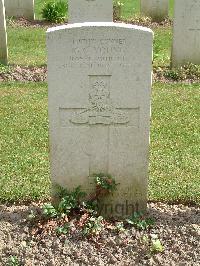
(13, 261)
(49, 211)
(173, 74)
(120, 227)
(71, 200)
(156, 245)
(93, 226)
(145, 239)
(105, 182)
(55, 11)
(138, 221)
(63, 230)
(117, 9)
(31, 216)
(68, 201)
(91, 206)
(4, 69)
(153, 243)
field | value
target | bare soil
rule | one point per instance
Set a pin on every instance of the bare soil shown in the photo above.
(140, 21)
(176, 226)
(24, 74)
(39, 74)
(23, 22)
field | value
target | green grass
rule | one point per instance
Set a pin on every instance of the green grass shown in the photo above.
(24, 160)
(171, 8)
(162, 46)
(27, 46)
(130, 8)
(175, 141)
(175, 159)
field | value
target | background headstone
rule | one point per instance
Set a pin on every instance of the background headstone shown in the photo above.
(156, 9)
(186, 33)
(3, 35)
(90, 11)
(20, 8)
(99, 78)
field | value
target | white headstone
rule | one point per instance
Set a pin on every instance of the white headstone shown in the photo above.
(99, 78)
(20, 8)
(156, 9)
(186, 33)
(90, 11)
(3, 35)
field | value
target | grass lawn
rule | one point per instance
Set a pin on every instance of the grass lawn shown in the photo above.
(162, 47)
(175, 141)
(30, 47)
(24, 164)
(174, 161)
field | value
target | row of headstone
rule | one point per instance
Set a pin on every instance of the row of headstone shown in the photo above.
(3, 35)
(186, 27)
(186, 32)
(99, 81)
(156, 9)
(20, 8)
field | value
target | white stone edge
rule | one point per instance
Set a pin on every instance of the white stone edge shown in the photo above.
(99, 24)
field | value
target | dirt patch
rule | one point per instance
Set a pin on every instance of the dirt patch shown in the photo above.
(184, 75)
(140, 21)
(23, 22)
(24, 74)
(176, 226)
(39, 74)
(147, 22)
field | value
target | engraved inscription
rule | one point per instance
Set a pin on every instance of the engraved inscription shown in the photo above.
(101, 109)
(87, 52)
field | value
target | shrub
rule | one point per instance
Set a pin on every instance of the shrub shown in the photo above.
(55, 11)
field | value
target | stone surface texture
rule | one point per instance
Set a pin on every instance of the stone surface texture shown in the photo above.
(156, 9)
(3, 35)
(90, 11)
(20, 8)
(186, 33)
(99, 78)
